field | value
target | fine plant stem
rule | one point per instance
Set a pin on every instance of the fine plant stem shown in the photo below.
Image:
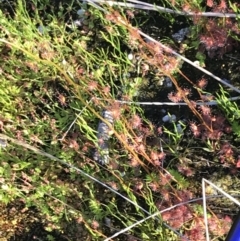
(173, 103)
(147, 6)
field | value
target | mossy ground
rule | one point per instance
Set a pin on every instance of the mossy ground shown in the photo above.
(49, 78)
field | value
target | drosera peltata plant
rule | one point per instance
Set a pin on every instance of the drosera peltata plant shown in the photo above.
(53, 100)
(52, 86)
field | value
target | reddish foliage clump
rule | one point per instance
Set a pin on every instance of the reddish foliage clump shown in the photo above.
(219, 226)
(179, 95)
(185, 170)
(238, 163)
(226, 154)
(215, 38)
(217, 124)
(135, 121)
(177, 216)
(202, 83)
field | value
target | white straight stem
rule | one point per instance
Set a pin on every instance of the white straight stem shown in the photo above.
(205, 209)
(205, 205)
(153, 7)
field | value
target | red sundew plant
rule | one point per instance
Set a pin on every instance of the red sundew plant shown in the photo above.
(217, 123)
(132, 156)
(205, 110)
(226, 154)
(195, 128)
(179, 95)
(178, 216)
(135, 121)
(92, 85)
(202, 83)
(217, 226)
(184, 216)
(195, 234)
(157, 157)
(220, 7)
(215, 34)
(210, 3)
(238, 162)
(175, 97)
(186, 170)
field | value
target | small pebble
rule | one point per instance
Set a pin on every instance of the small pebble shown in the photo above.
(130, 56)
(108, 221)
(169, 118)
(180, 35)
(77, 23)
(3, 143)
(81, 13)
(163, 111)
(179, 129)
(168, 82)
(41, 29)
(197, 63)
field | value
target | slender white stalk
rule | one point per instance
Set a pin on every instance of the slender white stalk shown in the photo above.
(95, 5)
(53, 158)
(131, 226)
(205, 205)
(69, 128)
(223, 192)
(152, 7)
(162, 211)
(143, 220)
(167, 49)
(172, 103)
(205, 209)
